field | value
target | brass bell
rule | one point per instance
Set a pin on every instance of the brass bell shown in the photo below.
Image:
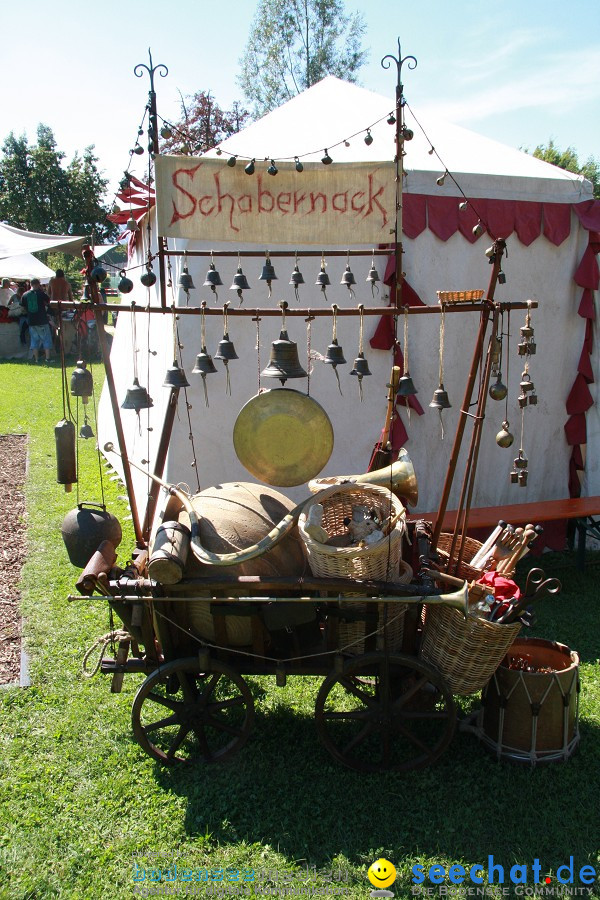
(125, 285)
(361, 366)
(148, 278)
(82, 383)
(522, 399)
(531, 348)
(85, 431)
(521, 461)
(175, 377)
(504, 438)
(240, 283)
(213, 279)
(526, 384)
(284, 362)
(514, 477)
(334, 355)
(348, 278)
(185, 280)
(523, 347)
(498, 391)
(372, 278)
(406, 387)
(526, 332)
(99, 274)
(523, 477)
(323, 279)
(296, 277)
(226, 350)
(268, 273)
(533, 399)
(204, 363)
(137, 397)
(132, 225)
(440, 399)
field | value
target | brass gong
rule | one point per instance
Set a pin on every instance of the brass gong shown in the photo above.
(283, 437)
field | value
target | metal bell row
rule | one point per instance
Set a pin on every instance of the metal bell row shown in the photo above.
(528, 395)
(520, 471)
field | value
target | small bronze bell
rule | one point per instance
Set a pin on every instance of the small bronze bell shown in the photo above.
(137, 397)
(175, 377)
(440, 399)
(226, 350)
(526, 332)
(406, 387)
(533, 399)
(125, 285)
(240, 283)
(85, 431)
(372, 278)
(526, 384)
(284, 362)
(82, 383)
(323, 280)
(99, 274)
(185, 281)
(348, 278)
(296, 277)
(523, 347)
(504, 438)
(498, 391)
(361, 366)
(335, 355)
(514, 477)
(204, 363)
(148, 278)
(132, 225)
(268, 274)
(213, 279)
(523, 478)
(521, 461)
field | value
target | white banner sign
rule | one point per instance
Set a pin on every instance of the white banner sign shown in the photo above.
(344, 203)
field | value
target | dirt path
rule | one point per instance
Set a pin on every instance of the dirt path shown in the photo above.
(13, 550)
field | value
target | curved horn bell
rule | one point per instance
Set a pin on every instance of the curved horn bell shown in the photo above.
(399, 477)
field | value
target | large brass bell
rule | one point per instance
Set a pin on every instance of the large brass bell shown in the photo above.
(226, 350)
(175, 377)
(185, 280)
(82, 383)
(284, 362)
(240, 283)
(213, 279)
(406, 387)
(137, 397)
(504, 438)
(440, 399)
(498, 390)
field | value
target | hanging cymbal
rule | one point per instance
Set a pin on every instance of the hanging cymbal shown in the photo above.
(283, 437)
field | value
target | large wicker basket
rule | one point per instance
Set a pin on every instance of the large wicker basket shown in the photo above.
(370, 626)
(377, 561)
(471, 547)
(466, 651)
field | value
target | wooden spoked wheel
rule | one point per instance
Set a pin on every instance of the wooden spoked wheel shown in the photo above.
(184, 714)
(385, 712)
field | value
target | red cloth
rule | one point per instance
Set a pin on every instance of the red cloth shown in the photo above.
(414, 215)
(528, 221)
(579, 399)
(504, 588)
(557, 222)
(588, 274)
(575, 429)
(442, 215)
(586, 307)
(501, 217)
(589, 214)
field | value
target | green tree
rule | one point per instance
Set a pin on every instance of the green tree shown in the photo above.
(568, 159)
(295, 43)
(38, 193)
(203, 124)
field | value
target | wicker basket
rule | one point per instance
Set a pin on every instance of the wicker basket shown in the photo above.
(466, 651)
(471, 546)
(378, 561)
(356, 624)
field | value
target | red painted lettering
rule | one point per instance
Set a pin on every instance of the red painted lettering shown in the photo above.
(262, 194)
(374, 201)
(334, 202)
(220, 198)
(188, 173)
(313, 202)
(284, 200)
(355, 207)
(245, 203)
(201, 201)
(298, 201)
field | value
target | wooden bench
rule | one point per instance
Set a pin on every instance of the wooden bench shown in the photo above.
(579, 510)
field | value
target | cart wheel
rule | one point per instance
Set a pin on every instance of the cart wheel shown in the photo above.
(182, 714)
(385, 713)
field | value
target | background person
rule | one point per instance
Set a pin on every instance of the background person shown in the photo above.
(36, 303)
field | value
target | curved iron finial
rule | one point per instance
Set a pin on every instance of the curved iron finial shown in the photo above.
(410, 61)
(151, 69)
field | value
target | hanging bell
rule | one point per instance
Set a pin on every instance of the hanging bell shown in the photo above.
(82, 383)
(335, 355)
(296, 277)
(137, 397)
(132, 225)
(498, 390)
(526, 384)
(268, 274)
(372, 278)
(523, 478)
(522, 400)
(204, 363)
(284, 362)
(185, 281)
(348, 278)
(226, 350)
(406, 387)
(85, 431)
(521, 461)
(323, 279)
(148, 278)
(361, 366)
(526, 332)
(533, 399)
(125, 285)
(175, 377)
(98, 274)
(514, 477)
(66, 455)
(213, 279)
(523, 348)
(83, 530)
(504, 438)
(440, 398)
(240, 283)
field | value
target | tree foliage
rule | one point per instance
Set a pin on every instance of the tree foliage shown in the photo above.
(39, 193)
(295, 43)
(568, 159)
(203, 124)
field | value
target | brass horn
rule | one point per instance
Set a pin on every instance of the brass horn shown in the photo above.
(399, 477)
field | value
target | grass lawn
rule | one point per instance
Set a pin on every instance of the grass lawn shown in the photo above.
(81, 802)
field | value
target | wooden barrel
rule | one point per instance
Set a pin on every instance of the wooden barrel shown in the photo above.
(169, 553)
(533, 717)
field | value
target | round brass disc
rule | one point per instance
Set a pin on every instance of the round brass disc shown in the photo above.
(283, 437)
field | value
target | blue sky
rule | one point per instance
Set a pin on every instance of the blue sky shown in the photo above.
(519, 72)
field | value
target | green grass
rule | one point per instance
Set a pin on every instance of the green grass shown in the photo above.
(78, 797)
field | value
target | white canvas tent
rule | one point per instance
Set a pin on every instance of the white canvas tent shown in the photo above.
(544, 213)
(24, 266)
(16, 241)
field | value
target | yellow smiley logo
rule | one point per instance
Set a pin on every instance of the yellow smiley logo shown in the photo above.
(381, 873)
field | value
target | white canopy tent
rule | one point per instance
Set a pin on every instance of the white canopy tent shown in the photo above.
(25, 266)
(15, 241)
(535, 206)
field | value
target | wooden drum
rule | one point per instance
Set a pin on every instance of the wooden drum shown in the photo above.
(532, 716)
